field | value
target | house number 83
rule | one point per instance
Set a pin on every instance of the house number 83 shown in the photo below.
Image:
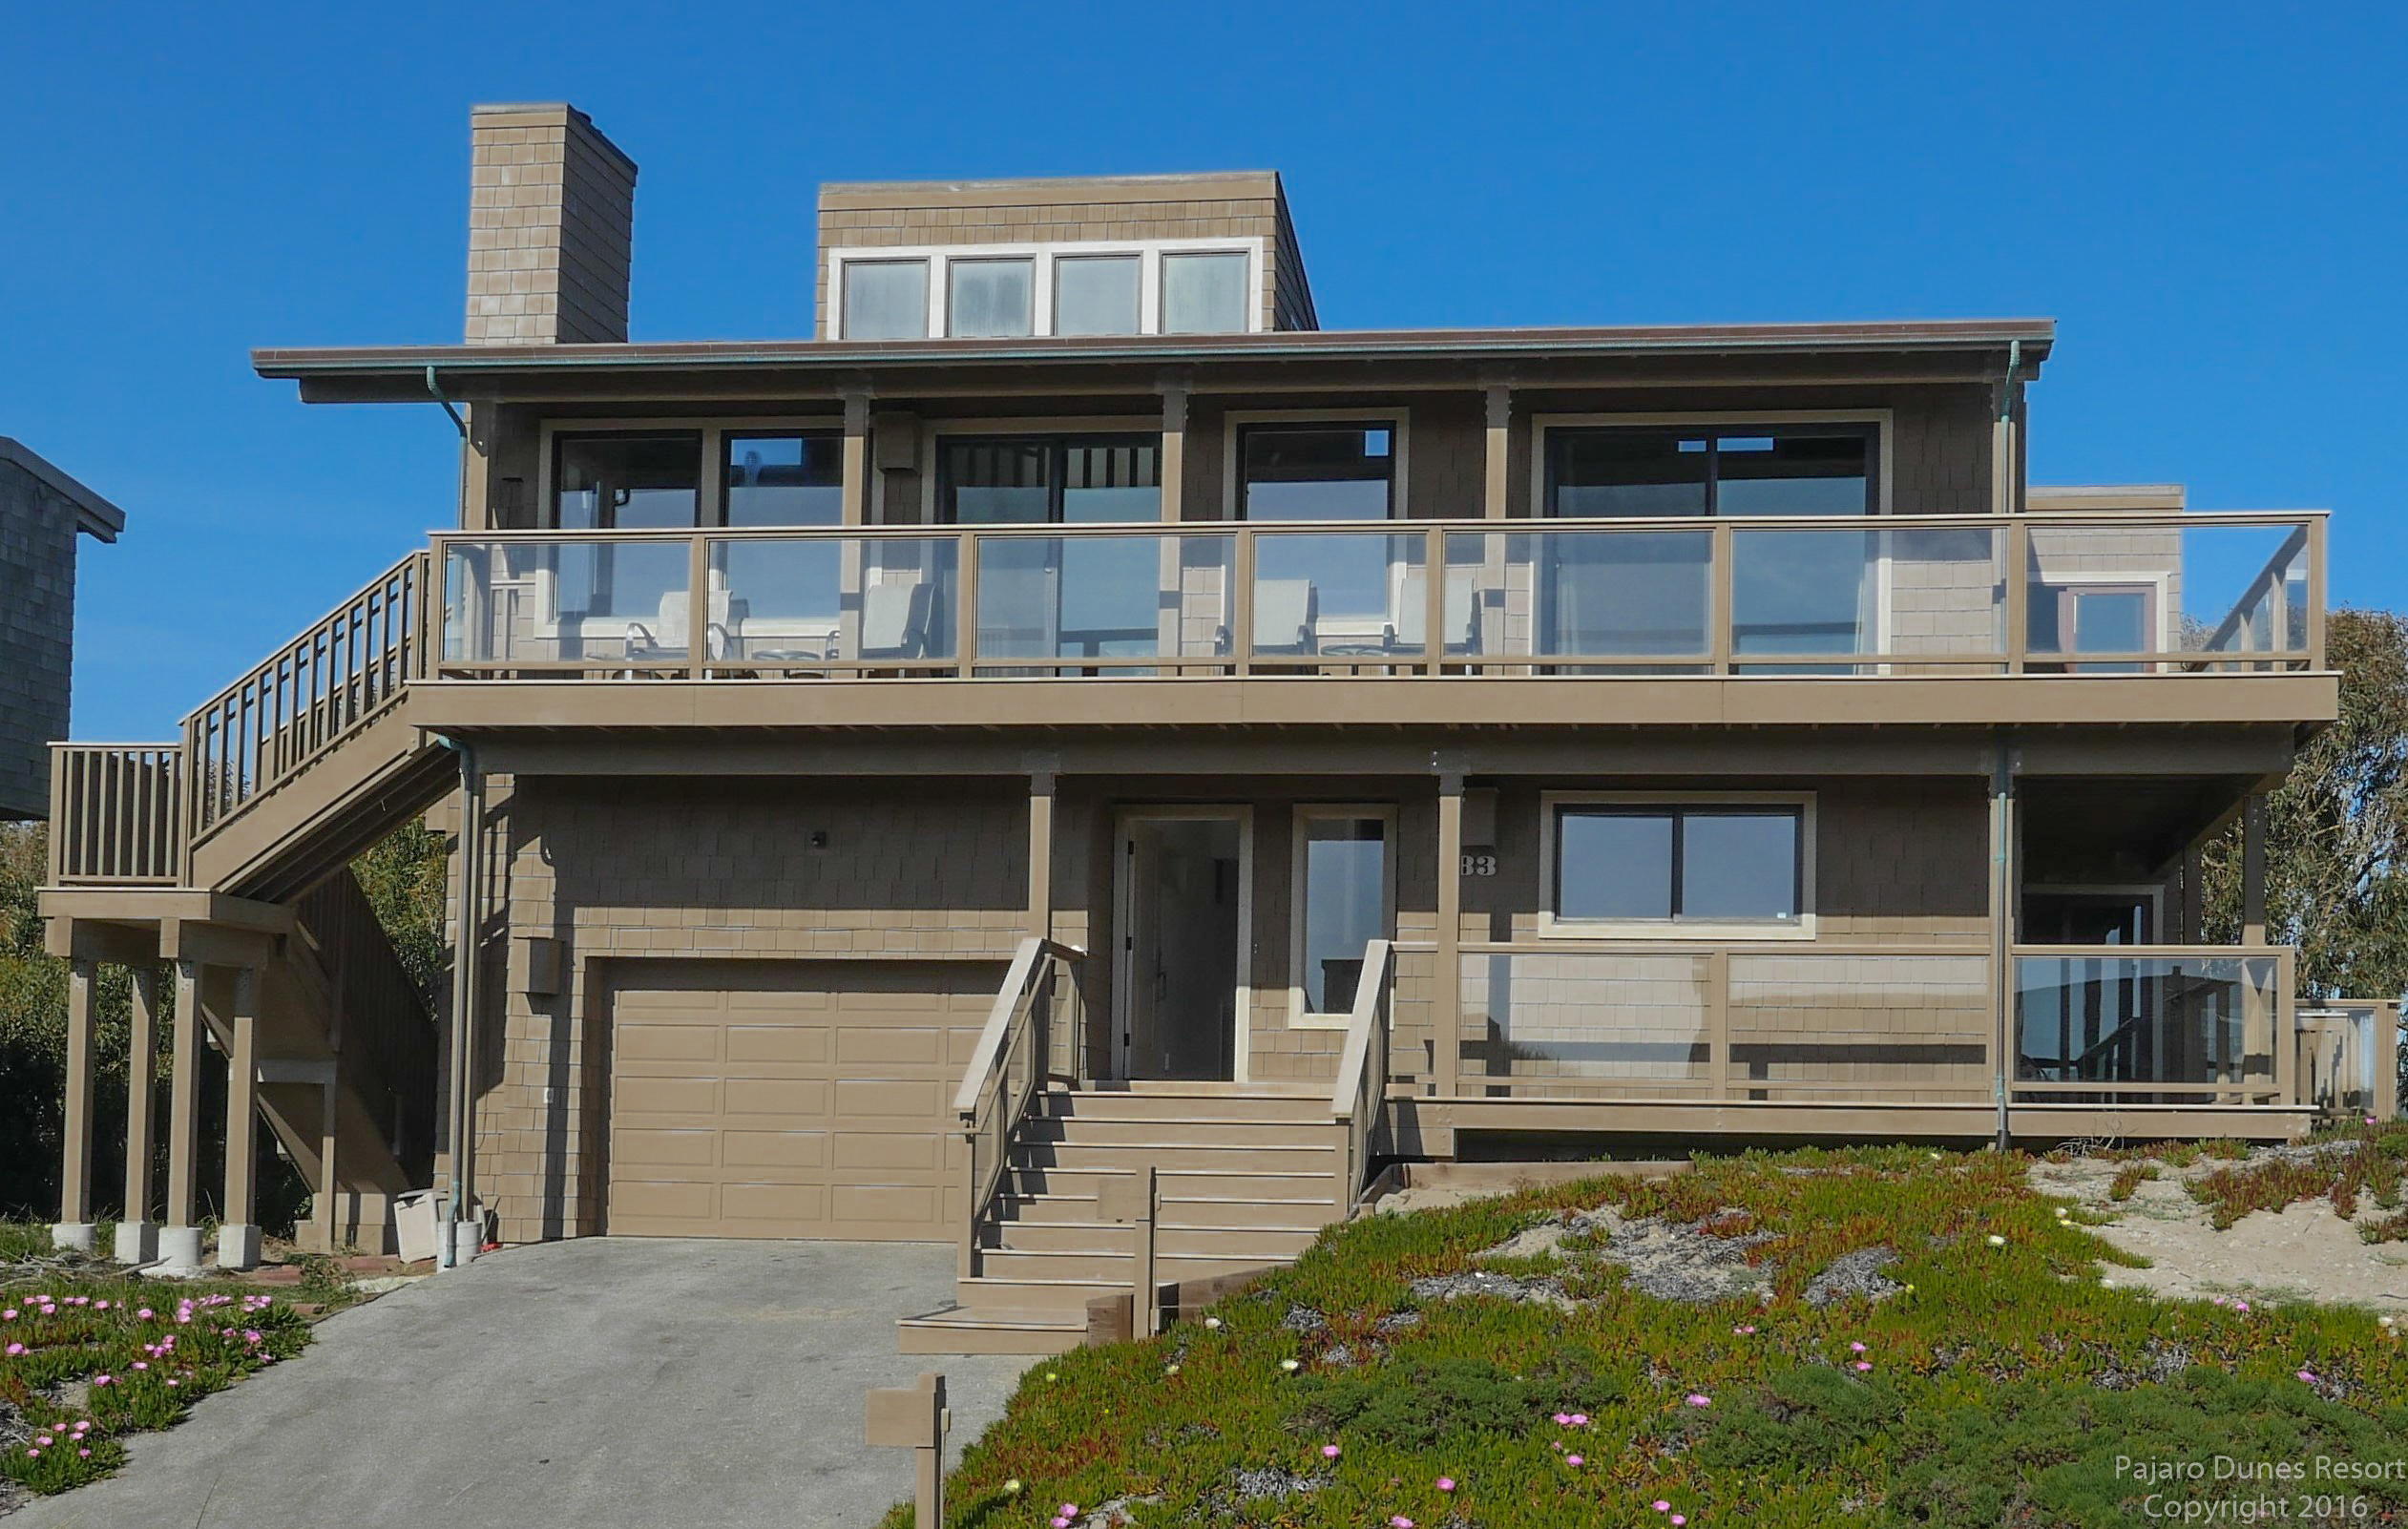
(1480, 865)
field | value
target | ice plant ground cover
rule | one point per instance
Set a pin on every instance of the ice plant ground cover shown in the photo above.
(87, 1357)
(1969, 1365)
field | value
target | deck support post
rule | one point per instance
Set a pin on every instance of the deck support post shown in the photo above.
(2261, 1047)
(1496, 459)
(238, 1230)
(74, 1230)
(1446, 1000)
(138, 1234)
(2003, 923)
(1042, 851)
(1174, 459)
(854, 495)
(180, 1238)
(458, 1241)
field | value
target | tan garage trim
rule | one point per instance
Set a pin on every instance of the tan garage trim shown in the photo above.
(789, 1098)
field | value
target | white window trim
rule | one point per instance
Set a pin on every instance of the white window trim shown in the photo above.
(1298, 1017)
(1660, 930)
(2159, 580)
(1149, 295)
(1884, 421)
(1398, 419)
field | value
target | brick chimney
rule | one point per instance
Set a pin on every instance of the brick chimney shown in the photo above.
(552, 207)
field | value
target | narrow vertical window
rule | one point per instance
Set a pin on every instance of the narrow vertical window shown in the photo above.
(1344, 898)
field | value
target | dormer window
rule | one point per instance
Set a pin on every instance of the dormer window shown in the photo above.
(1094, 288)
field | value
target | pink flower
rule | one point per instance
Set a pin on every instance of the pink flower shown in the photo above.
(2307, 1375)
(10, 1315)
(1069, 1510)
(1400, 1521)
(44, 1441)
(1060, 1522)
(31, 1454)
(1862, 1364)
(104, 1380)
(1579, 1419)
(1328, 1451)
(15, 1349)
(1677, 1519)
(1744, 1330)
(1572, 1461)
(1856, 1347)
(1563, 1420)
(2240, 1305)
(1661, 1506)
(140, 1365)
(1446, 1483)
(100, 1306)
(175, 1382)
(144, 1313)
(1696, 1400)
(83, 1455)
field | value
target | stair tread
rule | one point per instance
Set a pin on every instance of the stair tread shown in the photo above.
(1043, 1319)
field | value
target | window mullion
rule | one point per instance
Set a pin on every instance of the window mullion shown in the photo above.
(1680, 850)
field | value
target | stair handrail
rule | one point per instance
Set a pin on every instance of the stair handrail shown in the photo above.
(1358, 1100)
(115, 814)
(1007, 1070)
(295, 706)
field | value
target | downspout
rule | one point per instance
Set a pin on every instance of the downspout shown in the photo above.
(448, 1251)
(435, 390)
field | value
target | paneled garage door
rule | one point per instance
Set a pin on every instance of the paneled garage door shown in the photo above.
(790, 1098)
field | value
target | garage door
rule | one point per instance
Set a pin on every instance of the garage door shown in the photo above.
(791, 1098)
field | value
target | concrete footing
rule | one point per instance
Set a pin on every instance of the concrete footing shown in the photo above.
(137, 1241)
(179, 1249)
(456, 1243)
(75, 1236)
(237, 1246)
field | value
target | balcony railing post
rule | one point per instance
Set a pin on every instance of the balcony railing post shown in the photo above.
(2019, 594)
(2287, 1025)
(966, 575)
(1723, 630)
(698, 596)
(1242, 603)
(1718, 1022)
(1433, 562)
(2316, 591)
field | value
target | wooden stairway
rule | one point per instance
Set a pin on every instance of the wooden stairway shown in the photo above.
(1248, 1175)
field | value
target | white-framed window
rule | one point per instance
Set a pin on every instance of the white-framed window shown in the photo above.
(1343, 881)
(1678, 864)
(1079, 287)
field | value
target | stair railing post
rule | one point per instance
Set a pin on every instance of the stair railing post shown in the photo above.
(915, 1419)
(1130, 1202)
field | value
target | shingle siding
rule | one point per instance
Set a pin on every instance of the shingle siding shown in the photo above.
(37, 625)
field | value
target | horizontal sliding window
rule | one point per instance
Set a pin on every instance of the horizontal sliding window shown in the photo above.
(785, 479)
(1754, 469)
(1674, 864)
(1312, 472)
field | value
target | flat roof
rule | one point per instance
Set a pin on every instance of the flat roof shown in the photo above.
(95, 516)
(375, 372)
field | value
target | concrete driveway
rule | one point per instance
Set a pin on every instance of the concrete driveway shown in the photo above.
(600, 1384)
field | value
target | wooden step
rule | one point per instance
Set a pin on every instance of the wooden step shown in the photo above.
(989, 1291)
(1089, 1130)
(1221, 1157)
(1113, 1271)
(1292, 1109)
(1078, 1180)
(1262, 1244)
(992, 1329)
(1300, 1214)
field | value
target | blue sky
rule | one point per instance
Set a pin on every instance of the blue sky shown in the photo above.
(2211, 200)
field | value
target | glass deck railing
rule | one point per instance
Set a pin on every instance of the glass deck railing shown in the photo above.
(2052, 593)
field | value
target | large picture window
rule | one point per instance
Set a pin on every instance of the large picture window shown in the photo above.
(1680, 862)
(1317, 472)
(1033, 479)
(1720, 469)
(784, 478)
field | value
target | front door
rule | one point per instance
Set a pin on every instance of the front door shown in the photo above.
(1182, 910)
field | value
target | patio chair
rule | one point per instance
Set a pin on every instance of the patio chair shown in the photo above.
(895, 620)
(668, 637)
(1285, 610)
(1407, 632)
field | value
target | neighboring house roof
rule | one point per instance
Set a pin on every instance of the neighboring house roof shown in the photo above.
(95, 516)
(398, 372)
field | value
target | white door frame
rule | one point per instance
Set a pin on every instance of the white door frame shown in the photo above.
(1124, 928)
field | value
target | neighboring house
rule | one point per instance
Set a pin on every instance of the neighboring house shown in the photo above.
(42, 511)
(1073, 715)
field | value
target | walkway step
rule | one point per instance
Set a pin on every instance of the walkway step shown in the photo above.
(1301, 1214)
(992, 1329)
(1262, 1245)
(1086, 1130)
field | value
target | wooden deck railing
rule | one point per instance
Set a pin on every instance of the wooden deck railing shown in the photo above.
(1008, 1070)
(1359, 1102)
(117, 814)
(295, 706)
(2349, 1058)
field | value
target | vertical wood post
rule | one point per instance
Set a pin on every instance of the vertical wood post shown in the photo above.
(74, 1228)
(2194, 898)
(915, 1419)
(2253, 870)
(1497, 483)
(2257, 1011)
(1446, 1001)
(2002, 922)
(324, 1215)
(138, 1234)
(238, 1231)
(854, 499)
(1041, 853)
(183, 1110)
(1131, 1203)
(1718, 1022)
(1174, 462)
